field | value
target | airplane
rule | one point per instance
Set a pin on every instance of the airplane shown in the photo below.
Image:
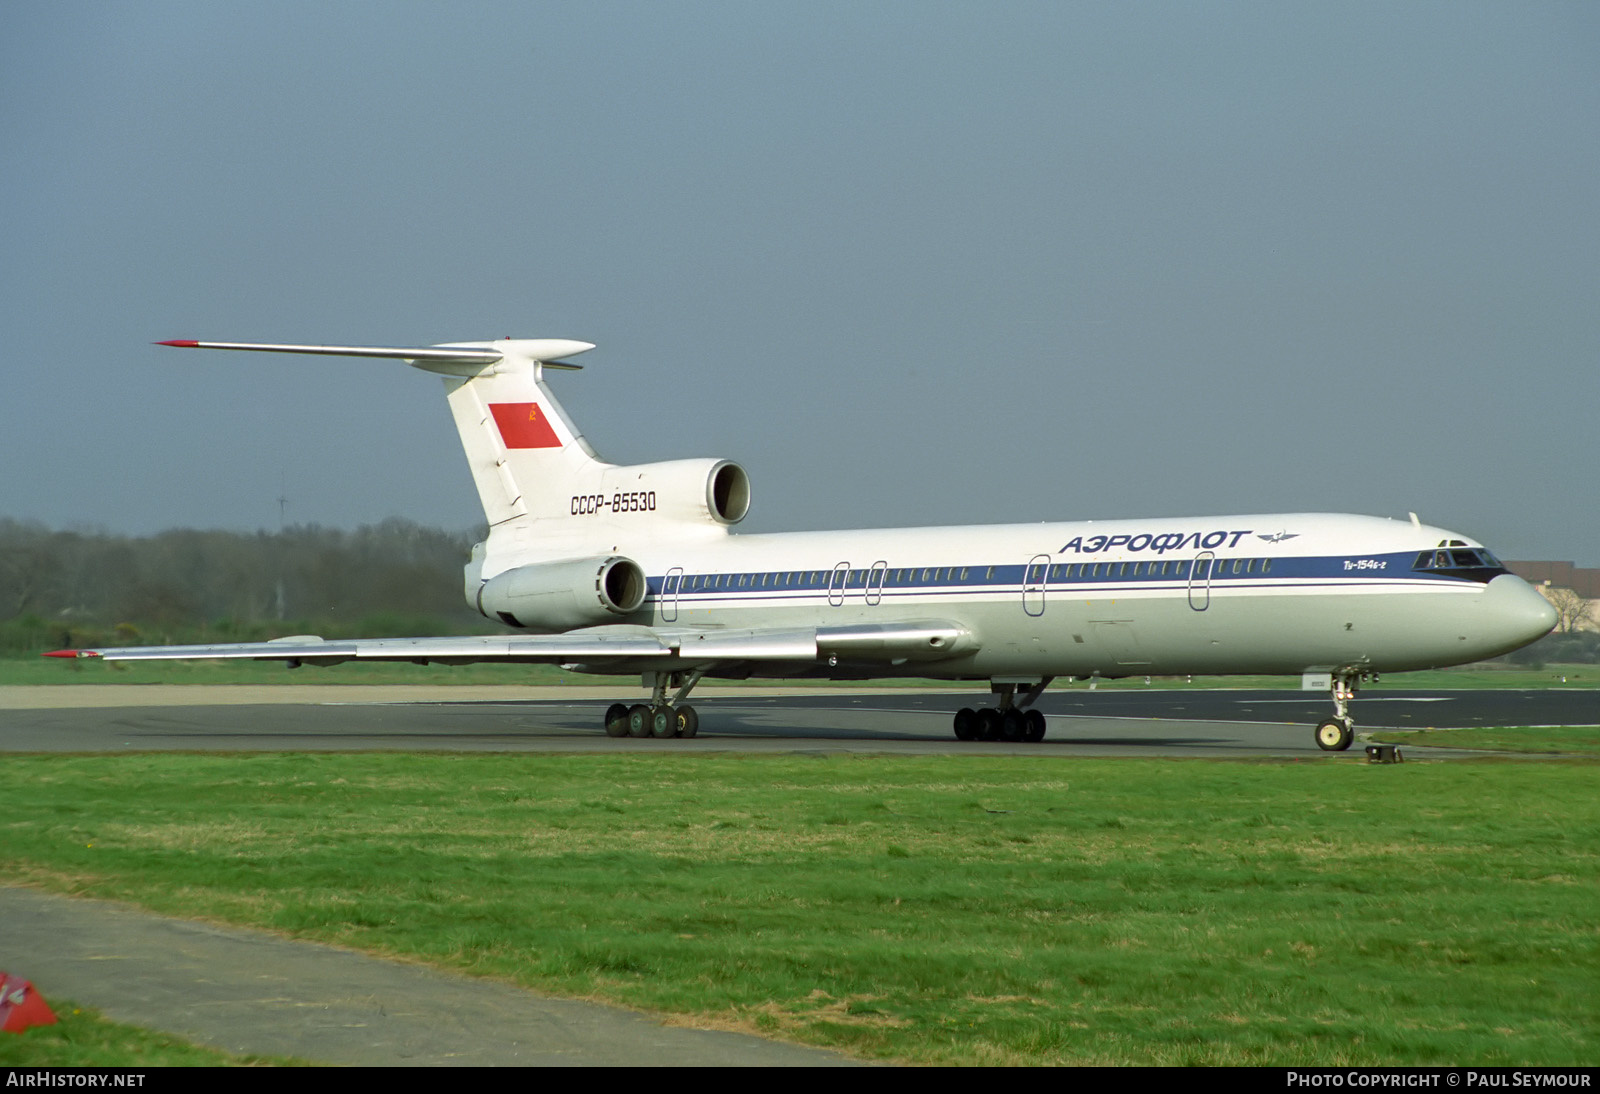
(635, 570)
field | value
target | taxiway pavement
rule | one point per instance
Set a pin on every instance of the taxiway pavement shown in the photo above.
(1216, 724)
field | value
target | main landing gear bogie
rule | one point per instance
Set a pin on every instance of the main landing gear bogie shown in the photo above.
(991, 724)
(1012, 720)
(660, 720)
(661, 717)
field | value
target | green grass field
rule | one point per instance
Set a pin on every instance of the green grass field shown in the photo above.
(82, 1037)
(1543, 740)
(1024, 910)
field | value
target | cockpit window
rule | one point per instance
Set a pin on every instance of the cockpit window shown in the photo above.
(1474, 563)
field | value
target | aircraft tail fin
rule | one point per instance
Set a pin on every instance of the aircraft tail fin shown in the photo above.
(544, 490)
(515, 434)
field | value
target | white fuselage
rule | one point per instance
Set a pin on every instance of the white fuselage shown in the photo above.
(1278, 593)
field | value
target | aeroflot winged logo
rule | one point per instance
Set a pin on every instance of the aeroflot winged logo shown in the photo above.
(524, 425)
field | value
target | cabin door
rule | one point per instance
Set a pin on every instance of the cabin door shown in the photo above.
(1034, 577)
(836, 583)
(669, 594)
(1200, 581)
(875, 577)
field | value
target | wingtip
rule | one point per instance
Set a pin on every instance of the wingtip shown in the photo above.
(183, 343)
(70, 653)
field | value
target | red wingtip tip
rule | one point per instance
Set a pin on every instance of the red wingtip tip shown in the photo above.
(183, 342)
(68, 653)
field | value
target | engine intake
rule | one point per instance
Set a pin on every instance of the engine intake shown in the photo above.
(681, 491)
(558, 596)
(728, 492)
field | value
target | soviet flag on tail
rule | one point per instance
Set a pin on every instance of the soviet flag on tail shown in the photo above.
(524, 425)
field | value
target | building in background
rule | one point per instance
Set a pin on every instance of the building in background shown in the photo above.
(1573, 591)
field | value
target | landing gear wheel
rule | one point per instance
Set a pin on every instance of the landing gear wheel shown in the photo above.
(966, 724)
(663, 721)
(1035, 724)
(1013, 725)
(1334, 735)
(617, 720)
(688, 721)
(638, 720)
(988, 724)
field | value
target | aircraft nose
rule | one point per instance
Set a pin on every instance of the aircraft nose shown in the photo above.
(1517, 613)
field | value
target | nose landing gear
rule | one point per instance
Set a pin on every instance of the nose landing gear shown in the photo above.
(1335, 734)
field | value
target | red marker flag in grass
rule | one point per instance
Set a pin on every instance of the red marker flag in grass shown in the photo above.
(21, 1006)
(524, 425)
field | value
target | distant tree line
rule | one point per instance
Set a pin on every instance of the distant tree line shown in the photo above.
(73, 588)
(1559, 648)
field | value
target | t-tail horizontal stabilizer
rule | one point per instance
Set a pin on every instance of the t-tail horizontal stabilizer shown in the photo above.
(475, 354)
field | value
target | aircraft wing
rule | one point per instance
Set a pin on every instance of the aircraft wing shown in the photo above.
(598, 646)
(312, 650)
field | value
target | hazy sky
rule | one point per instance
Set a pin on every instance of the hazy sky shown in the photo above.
(910, 263)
